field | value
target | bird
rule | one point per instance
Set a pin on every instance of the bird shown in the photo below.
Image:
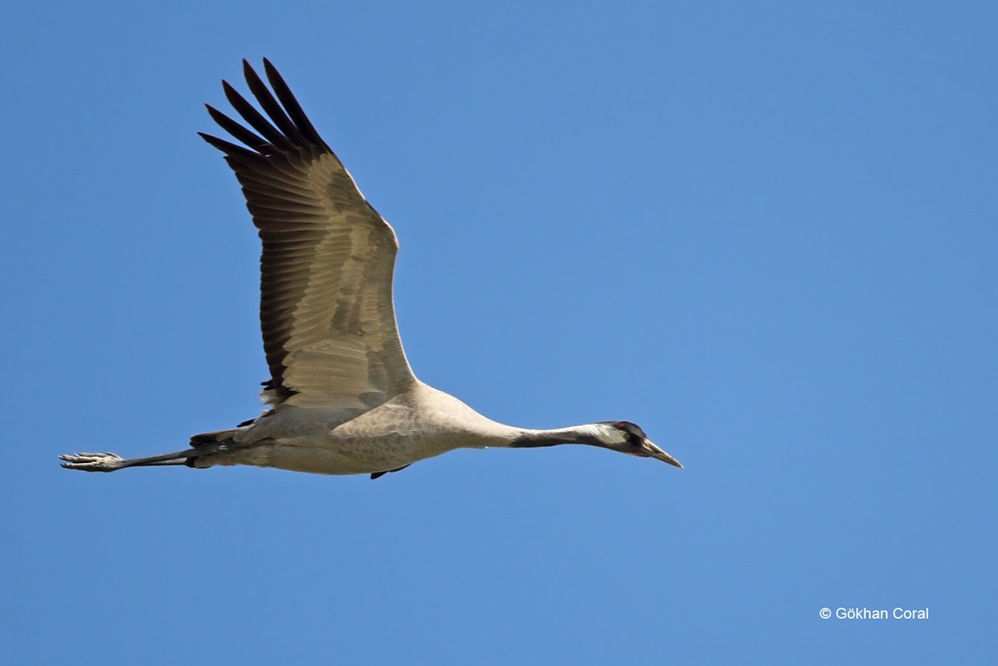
(341, 398)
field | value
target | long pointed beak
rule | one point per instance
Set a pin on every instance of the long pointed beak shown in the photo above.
(653, 451)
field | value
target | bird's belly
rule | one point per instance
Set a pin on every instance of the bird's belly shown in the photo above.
(332, 459)
(328, 457)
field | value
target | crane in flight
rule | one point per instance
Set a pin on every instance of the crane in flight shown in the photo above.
(341, 396)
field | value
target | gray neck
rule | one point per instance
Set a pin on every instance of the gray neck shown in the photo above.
(582, 434)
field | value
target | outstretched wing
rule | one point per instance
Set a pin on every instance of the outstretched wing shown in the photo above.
(326, 307)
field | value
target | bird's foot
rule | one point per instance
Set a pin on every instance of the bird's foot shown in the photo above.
(92, 462)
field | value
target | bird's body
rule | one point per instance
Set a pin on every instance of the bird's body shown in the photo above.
(342, 397)
(420, 423)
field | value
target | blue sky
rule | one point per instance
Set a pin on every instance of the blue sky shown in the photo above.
(765, 233)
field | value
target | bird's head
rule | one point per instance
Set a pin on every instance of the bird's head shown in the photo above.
(626, 437)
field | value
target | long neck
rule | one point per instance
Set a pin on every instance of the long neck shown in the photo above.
(581, 434)
(474, 430)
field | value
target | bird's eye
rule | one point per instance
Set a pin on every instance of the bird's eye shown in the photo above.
(627, 436)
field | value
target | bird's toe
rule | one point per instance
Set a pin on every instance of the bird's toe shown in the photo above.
(91, 462)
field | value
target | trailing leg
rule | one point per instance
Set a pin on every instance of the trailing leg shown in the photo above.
(110, 462)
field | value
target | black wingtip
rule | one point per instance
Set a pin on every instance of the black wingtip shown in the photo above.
(270, 70)
(273, 108)
(237, 130)
(266, 129)
(231, 92)
(230, 149)
(282, 127)
(291, 105)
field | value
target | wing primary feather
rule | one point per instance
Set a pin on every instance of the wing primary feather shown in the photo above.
(253, 117)
(238, 131)
(291, 104)
(230, 149)
(270, 105)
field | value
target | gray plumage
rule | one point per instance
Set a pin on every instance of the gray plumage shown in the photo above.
(342, 397)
